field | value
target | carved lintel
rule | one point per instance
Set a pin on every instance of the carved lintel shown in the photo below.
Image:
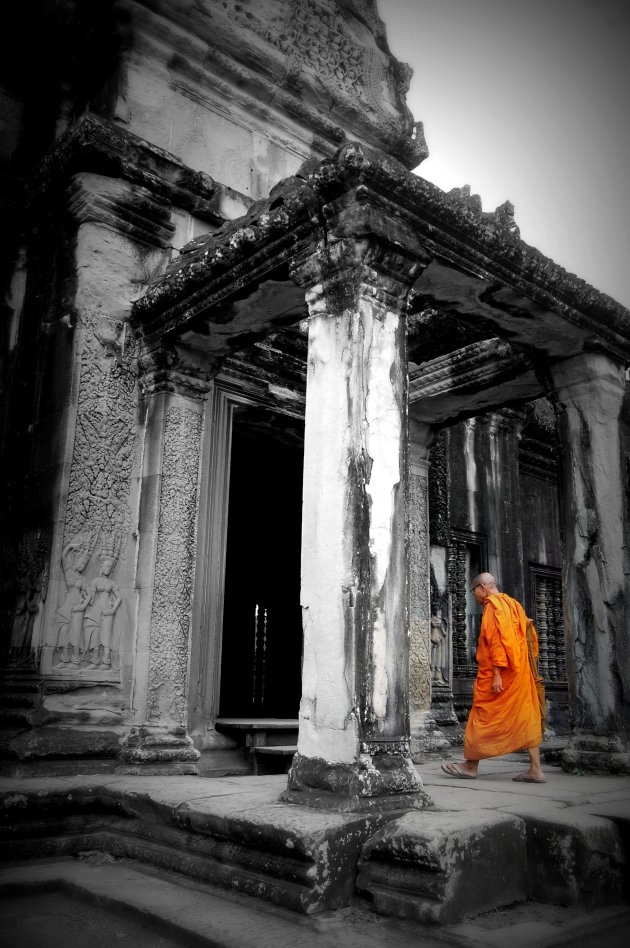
(478, 365)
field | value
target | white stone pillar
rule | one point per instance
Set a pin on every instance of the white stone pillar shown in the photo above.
(353, 747)
(589, 390)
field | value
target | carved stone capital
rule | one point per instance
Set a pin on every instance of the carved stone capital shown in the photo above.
(352, 268)
(167, 369)
(590, 382)
(420, 439)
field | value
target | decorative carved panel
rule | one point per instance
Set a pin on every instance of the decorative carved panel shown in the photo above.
(174, 568)
(548, 619)
(419, 605)
(89, 624)
(438, 492)
(98, 493)
(467, 557)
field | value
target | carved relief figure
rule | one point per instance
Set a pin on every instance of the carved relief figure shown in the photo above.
(23, 616)
(70, 615)
(439, 650)
(103, 603)
(39, 600)
(26, 626)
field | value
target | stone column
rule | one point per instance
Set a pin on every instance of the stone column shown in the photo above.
(588, 392)
(424, 734)
(167, 528)
(353, 746)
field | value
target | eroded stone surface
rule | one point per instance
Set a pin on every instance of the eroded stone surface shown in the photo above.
(439, 867)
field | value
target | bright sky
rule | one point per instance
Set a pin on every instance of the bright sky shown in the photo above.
(529, 100)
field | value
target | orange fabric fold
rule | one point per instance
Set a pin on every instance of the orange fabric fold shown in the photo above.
(510, 720)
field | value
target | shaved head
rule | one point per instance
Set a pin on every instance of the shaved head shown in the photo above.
(487, 580)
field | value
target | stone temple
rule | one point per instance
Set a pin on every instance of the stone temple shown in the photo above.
(270, 400)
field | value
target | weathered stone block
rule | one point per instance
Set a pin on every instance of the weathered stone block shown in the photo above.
(64, 743)
(574, 858)
(440, 867)
(235, 835)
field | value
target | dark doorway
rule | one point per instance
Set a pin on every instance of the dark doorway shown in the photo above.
(262, 621)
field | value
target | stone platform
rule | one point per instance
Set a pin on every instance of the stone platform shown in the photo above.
(485, 844)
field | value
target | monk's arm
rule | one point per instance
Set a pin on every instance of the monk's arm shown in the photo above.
(498, 653)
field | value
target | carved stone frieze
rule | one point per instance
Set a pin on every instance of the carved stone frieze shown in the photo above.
(86, 629)
(98, 492)
(419, 605)
(174, 568)
(320, 45)
(439, 528)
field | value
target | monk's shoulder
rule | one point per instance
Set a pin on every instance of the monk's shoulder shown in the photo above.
(494, 603)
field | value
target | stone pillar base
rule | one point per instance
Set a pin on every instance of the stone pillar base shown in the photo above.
(593, 753)
(444, 715)
(148, 750)
(382, 779)
(426, 738)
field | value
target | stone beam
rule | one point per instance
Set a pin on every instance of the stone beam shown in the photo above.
(473, 264)
(478, 378)
(507, 307)
(98, 146)
(210, 289)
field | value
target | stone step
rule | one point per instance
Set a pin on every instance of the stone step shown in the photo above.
(297, 857)
(282, 749)
(429, 866)
(437, 867)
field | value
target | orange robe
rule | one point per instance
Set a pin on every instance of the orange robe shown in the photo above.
(510, 720)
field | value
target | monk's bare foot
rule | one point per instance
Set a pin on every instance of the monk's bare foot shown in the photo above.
(530, 777)
(465, 770)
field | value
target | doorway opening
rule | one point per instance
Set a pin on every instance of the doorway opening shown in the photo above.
(262, 620)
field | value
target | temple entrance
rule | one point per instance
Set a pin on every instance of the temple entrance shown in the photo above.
(262, 624)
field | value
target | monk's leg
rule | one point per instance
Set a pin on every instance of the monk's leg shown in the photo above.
(535, 768)
(467, 767)
(535, 773)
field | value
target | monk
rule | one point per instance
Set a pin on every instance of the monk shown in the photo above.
(505, 715)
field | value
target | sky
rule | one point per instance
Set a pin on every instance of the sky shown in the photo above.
(529, 101)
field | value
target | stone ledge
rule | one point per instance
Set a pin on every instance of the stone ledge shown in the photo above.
(292, 856)
(573, 857)
(441, 866)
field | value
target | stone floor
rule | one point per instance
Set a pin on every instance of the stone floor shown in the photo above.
(96, 899)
